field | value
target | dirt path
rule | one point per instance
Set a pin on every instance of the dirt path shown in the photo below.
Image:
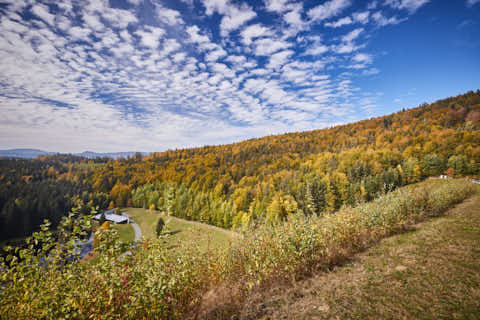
(430, 272)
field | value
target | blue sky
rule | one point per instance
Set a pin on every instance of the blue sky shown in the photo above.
(152, 75)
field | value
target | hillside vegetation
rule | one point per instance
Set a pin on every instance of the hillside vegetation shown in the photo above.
(429, 272)
(156, 282)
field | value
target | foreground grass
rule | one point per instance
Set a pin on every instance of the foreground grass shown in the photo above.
(179, 232)
(429, 272)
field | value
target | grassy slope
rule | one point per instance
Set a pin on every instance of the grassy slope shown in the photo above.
(145, 219)
(430, 272)
(125, 231)
(182, 232)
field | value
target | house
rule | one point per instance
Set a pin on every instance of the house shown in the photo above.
(112, 217)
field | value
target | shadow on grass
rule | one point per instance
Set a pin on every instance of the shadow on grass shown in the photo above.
(171, 233)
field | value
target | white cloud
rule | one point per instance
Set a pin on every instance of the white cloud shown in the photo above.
(150, 37)
(254, 31)
(316, 50)
(215, 55)
(212, 6)
(42, 12)
(233, 16)
(223, 69)
(195, 36)
(352, 35)
(259, 72)
(328, 9)
(170, 45)
(292, 115)
(361, 17)
(276, 5)
(339, 23)
(236, 59)
(278, 59)
(119, 18)
(135, 2)
(370, 72)
(168, 16)
(93, 22)
(267, 46)
(362, 57)
(79, 33)
(179, 57)
(345, 48)
(472, 2)
(382, 21)
(292, 14)
(410, 5)
(294, 18)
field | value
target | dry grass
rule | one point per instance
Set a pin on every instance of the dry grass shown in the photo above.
(431, 271)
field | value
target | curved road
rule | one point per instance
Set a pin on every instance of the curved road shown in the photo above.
(85, 247)
(136, 228)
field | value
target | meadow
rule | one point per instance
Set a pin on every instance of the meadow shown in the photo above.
(125, 232)
(178, 232)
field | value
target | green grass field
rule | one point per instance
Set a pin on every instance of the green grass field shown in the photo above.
(181, 232)
(125, 232)
(146, 220)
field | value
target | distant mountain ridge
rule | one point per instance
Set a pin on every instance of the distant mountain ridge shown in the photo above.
(34, 153)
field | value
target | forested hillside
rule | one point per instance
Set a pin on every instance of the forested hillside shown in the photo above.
(260, 180)
(44, 188)
(267, 179)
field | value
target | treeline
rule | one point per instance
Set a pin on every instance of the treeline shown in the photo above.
(44, 188)
(312, 173)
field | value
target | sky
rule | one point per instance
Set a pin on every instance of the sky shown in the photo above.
(152, 75)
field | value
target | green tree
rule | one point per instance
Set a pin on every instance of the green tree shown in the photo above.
(432, 165)
(280, 208)
(160, 226)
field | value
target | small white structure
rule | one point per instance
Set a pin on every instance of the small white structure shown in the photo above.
(112, 217)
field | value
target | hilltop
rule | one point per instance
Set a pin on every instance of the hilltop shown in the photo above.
(35, 153)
